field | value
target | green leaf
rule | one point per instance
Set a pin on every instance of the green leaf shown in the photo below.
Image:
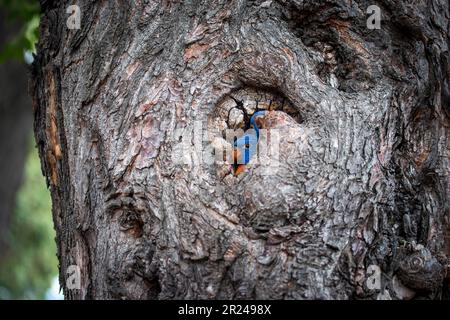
(27, 13)
(31, 263)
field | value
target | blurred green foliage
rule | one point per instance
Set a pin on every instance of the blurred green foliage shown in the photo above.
(26, 12)
(31, 262)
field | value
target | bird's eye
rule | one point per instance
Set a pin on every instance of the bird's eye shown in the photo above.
(247, 146)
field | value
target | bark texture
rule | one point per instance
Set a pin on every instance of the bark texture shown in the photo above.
(362, 177)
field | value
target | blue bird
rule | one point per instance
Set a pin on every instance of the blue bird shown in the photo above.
(246, 146)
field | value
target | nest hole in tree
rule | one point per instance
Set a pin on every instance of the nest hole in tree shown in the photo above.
(235, 110)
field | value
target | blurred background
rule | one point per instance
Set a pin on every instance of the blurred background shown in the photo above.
(28, 263)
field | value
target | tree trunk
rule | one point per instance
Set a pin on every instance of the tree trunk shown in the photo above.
(355, 203)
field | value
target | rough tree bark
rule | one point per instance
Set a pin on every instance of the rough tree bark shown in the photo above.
(361, 184)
